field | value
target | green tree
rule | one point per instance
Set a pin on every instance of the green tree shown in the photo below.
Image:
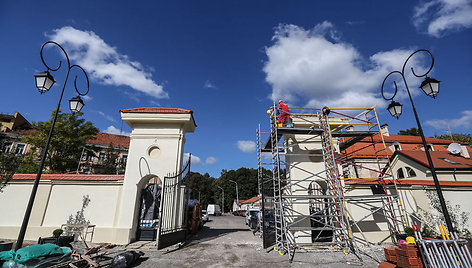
(69, 137)
(410, 132)
(247, 185)
(9, 163)
(203, 185)
(457, 137)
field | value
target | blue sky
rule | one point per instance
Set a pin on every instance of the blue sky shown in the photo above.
(228, 60)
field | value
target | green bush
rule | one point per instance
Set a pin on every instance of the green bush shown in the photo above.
(56, 233)
(409, 231)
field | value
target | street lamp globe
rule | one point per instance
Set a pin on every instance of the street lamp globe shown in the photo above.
(44, 81)
(430, 86)
(395, 109)
(76, 104)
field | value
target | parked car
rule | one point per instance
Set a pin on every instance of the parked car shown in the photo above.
(251, 212)
(213, 209)
(253, 220)
(239, 213)
(204, 216)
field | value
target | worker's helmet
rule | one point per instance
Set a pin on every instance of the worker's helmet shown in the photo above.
(281, 101)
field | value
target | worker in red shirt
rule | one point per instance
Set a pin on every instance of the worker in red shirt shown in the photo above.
(283, 107)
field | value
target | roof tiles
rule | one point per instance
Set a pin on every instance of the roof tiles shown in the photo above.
(157, 110)
(105, 139)
(69, 177)
(441, 160)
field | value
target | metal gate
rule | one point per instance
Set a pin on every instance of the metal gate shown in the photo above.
(173, 212)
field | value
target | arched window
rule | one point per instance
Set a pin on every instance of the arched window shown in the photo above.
(400, 174)
(410, 172)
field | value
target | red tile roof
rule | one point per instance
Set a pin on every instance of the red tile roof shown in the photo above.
(250, 200)
(70, 177)
(409, 143)
(459, 162)
(410, 182)
(157, 110)
(105, 139)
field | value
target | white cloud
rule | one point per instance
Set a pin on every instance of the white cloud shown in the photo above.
(438, 17)
(209, 84)
(104, 63)
(109, 118)
(247, 146)
(210, 160)
(114, 130)
(195, 160)
(316, 68)
(463, 122)
(154, 103)
(87, 98)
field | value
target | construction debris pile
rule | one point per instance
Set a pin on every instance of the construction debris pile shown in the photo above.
(50, 255)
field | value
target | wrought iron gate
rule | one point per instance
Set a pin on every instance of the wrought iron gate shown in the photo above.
(173, 212)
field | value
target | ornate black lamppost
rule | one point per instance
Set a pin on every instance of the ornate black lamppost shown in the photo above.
(44, 82)
(430, 86)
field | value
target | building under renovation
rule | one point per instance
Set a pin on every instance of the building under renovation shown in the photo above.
(314, 199)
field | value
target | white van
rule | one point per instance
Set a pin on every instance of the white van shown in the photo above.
(213, 209)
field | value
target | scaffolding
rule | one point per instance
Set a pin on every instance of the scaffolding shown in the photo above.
(310, 206)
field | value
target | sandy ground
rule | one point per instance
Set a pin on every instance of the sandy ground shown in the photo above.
(226, 241)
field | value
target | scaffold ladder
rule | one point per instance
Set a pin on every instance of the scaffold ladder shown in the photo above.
(280, 238)
(342, 234)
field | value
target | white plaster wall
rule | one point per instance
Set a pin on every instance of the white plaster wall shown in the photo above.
(66, 200)
(13, 202)
(414, 200)
(54, 202)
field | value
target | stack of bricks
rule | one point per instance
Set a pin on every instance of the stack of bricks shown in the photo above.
(391, 255)
(405, 256)
(408, 256)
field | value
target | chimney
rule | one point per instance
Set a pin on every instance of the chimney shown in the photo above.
(350, 128)
(464, 152)
(384, 130)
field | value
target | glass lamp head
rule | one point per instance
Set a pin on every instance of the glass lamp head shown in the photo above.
(76, 104)
(430, 86)
(395, 109)
(44, 81)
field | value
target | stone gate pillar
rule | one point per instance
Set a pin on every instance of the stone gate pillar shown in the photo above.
(156, 148)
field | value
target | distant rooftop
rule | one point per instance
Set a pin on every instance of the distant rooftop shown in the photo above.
(106, 138)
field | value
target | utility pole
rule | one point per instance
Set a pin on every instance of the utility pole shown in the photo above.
(237, 196)
(223, 200)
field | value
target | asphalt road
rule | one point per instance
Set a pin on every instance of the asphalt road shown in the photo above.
(226, 241)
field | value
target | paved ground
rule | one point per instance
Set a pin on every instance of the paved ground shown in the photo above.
(226, 241)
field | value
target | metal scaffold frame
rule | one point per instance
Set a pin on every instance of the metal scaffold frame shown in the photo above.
(329, 219)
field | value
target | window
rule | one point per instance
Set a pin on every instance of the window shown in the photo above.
(123, 159)
(101, 156)
(89, 156)
(450, 161)
(6, 147)
(400, 174)
(20, 148)
(397, 146)
(410, 172)
(429, 146)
